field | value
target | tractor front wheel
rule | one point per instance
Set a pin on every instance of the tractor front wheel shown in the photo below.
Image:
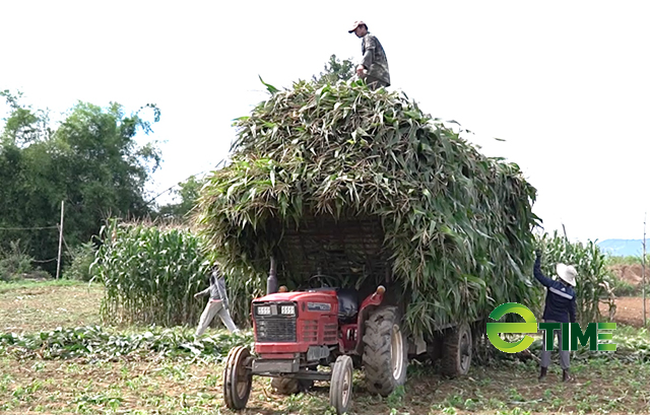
(384, 351)
(237, 378)
(341, 384)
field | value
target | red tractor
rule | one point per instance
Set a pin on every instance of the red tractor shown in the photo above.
(319, 333)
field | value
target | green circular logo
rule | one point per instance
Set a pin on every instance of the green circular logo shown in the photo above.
(530, 326)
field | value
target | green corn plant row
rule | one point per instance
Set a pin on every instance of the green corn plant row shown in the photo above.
(457, 225)
(151, 274)
(593, 276)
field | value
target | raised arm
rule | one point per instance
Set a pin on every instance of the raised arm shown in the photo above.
(537, 272)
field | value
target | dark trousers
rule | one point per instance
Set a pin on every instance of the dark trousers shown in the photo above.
(564, 354)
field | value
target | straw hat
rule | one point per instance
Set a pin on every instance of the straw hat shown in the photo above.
(567, 273)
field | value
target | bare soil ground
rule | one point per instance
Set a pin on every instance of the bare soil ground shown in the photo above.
(629, 311)
(632, 273)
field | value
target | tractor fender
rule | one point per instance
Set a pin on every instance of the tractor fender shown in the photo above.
(370, 303)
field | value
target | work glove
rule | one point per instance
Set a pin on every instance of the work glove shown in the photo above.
(538, 253)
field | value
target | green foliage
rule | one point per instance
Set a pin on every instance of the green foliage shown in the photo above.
(93, 341)
(624, 260)
(14, 262)
(594, 279)
(151, 274)
(90, 160)
(625, 289)
(335, 70)
(188, 193)
(455, 225)
(81, 258)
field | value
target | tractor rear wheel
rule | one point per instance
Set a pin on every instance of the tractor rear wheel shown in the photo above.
(457, 351)
(237, 378)
(384, 351)
(341, 384)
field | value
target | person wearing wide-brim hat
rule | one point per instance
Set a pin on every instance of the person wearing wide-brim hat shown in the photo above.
(374, 65)
(560, 308)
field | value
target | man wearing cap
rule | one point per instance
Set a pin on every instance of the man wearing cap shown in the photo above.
(560, 308)
(374, 66)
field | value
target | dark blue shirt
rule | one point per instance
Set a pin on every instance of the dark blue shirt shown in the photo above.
(560, 298)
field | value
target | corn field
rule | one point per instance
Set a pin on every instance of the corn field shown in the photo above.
(594, 282)
(150, 274)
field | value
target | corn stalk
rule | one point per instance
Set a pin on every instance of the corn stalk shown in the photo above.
(594, 283)
(151, 274)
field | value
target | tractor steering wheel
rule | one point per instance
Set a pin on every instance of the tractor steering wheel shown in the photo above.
(324, 280)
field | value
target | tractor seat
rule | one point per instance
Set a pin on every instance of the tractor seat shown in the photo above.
(348, 303)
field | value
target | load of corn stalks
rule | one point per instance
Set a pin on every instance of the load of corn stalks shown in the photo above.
(456, 225)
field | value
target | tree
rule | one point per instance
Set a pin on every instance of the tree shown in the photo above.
(335, 70)
(188, 192)
(91, 161)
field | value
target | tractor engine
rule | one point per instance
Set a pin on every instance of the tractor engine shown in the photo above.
(304, 323)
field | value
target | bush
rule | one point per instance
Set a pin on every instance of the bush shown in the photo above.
(14, 262)
(625, 289)
(81, 258)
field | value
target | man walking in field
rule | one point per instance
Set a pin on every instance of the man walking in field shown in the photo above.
(560, 308)
(374, 66)
(218, 304)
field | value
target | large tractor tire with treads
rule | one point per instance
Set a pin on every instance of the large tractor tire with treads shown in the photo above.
(384, 351)
(457, 351)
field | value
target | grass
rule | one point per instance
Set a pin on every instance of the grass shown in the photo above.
(154, 383)
(32, 306)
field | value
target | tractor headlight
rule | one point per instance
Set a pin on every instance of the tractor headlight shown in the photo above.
(263, 310)
(288, 310)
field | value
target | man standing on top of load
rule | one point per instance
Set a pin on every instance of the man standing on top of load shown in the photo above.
(374, 66)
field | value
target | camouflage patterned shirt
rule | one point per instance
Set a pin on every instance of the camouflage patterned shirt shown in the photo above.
(374, 58)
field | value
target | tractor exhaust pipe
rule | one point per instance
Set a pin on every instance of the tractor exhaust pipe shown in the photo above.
(272, 280)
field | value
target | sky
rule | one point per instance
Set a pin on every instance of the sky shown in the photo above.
(565, 84)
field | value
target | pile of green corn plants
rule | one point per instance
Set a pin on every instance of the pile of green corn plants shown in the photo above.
(594, 280)
(456, 224)
(151, 274)
(94, 342)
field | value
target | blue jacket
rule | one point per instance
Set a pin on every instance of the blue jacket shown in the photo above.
(560, 298)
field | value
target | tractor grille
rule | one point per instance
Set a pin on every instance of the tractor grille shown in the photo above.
(310, 331)
(275, 329)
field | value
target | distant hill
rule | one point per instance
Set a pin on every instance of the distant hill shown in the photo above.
(624, 247)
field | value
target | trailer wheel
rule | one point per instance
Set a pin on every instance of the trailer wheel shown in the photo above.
(341, 384)
(237, 378)
(457, 351)
(384, 351)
